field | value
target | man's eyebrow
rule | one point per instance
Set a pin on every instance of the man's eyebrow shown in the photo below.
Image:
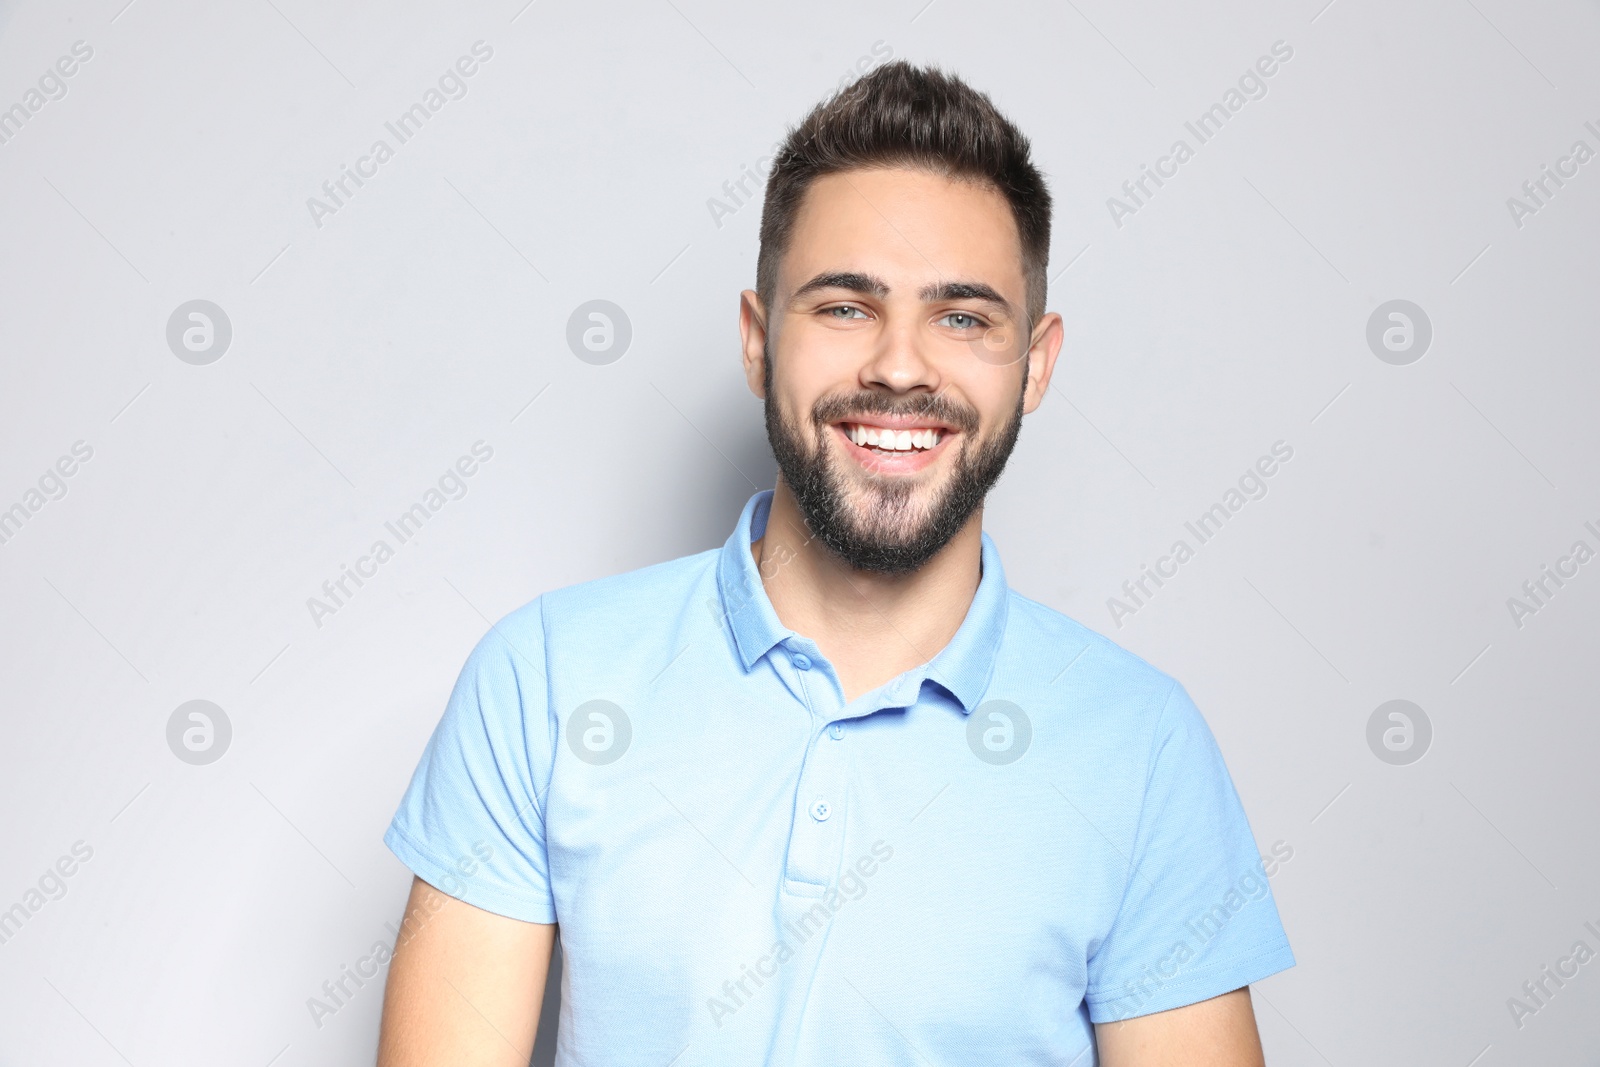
(870, 285)
(851, 280)
(964, 291)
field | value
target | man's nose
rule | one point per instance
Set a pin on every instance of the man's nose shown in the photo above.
(901, 362)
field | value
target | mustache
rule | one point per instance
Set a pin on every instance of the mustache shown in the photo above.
(836, 407)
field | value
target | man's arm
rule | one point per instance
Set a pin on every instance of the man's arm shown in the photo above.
(464, 986)
(1220, 1032)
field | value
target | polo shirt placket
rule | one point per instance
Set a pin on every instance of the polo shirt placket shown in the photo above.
(816, 846)
(821, 798)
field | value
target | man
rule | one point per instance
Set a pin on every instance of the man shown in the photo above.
(833, 793)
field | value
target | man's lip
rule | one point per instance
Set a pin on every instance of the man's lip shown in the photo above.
(897, 422)
(896, 462)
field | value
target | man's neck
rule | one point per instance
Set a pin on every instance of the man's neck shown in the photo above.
(871, 627)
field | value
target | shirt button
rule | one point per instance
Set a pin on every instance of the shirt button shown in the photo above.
(820, 811)
(802, 661)
(836, 731)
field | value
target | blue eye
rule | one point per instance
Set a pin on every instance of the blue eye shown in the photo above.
(972, 320)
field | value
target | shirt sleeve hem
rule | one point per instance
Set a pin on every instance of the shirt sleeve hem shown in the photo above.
(444, 878)
(1191, 989)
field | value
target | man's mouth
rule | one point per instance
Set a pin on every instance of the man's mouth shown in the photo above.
(885, 439)
(907, 446)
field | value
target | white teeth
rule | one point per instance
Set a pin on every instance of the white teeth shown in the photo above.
(893, 440)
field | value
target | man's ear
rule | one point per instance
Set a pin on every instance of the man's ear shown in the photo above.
(753, 337)
(1042, 352)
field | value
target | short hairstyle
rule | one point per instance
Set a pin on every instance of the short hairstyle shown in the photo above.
(900, 115)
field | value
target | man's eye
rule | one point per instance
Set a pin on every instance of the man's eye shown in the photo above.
(845, 308)
(969, 321)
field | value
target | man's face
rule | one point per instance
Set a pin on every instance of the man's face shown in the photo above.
(894, 362)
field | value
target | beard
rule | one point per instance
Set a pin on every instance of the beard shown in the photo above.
(886, 524)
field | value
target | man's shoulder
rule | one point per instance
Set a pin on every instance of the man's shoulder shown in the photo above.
(1104, 699)
(1040, 629)
(1089, 659)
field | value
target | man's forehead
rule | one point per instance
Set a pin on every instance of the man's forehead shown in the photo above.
(896, 230)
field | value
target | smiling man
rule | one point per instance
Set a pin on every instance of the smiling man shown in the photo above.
(833, 793)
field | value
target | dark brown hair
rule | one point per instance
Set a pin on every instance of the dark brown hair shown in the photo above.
(905, 116)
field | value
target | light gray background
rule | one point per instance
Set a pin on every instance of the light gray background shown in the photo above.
(369, 353)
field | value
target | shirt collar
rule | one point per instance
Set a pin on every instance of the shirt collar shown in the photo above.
(964, 666)
(745, 606)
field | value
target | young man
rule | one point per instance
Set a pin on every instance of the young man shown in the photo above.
(832, 793)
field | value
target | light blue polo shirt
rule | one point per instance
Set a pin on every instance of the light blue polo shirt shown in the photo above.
(972, 863)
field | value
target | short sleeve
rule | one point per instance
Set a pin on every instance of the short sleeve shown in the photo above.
(471, 823)
(1197, 917)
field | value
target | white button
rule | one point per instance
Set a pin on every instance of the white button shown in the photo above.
(820, 811)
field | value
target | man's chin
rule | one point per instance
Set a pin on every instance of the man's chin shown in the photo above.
(887, 529)
(890, 502)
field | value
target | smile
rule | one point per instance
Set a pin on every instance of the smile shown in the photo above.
(906, 448)
(885, 439)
